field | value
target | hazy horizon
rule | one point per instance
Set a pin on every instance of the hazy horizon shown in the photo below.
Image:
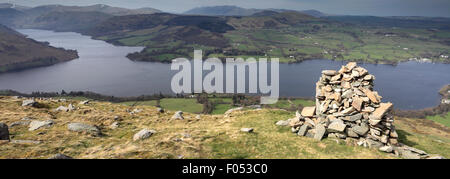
(429, 8)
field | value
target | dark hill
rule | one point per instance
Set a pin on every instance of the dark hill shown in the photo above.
(222, 11)
(8, 15)
(68, 21)
(18, 52)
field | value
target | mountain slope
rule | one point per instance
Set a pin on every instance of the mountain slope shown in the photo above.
(239, 11)
(9, 15)
(211, 136)
(13, 6)
(222, 11)
(68, 21)
(63, 18)
(18, 52)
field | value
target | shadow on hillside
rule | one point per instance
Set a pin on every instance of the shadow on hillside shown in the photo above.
(403, 138)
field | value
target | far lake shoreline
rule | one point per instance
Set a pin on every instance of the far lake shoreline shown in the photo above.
(104, 68)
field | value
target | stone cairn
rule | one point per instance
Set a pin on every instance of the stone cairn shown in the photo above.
(348, 108)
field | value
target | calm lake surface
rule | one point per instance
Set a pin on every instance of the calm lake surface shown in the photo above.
(103, 68)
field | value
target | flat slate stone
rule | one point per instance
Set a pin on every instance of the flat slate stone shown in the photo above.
(320, 132)
(303, 130)
(336, 127)
(308, 111)
(35, 125)
(248, 130)
(29, 102)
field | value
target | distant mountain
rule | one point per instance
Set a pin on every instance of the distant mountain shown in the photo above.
(63, 18)
(68, 21)
(271, 19)
(222, 11)
(9, 15)
(238, 11)
(18, 52)
(399, 22)
(13, 6)
(116, 11)
(315, 13)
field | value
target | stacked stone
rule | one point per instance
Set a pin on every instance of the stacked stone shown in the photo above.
(347, 107)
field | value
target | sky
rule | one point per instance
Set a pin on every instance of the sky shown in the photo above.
(436, 8)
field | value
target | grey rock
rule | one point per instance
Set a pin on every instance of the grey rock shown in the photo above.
(26, 119)
(298, 115)
(84, 102)
(82, 127)
(347, 94)
(282, 123)
(351, 133)
(329, 72)
(320, 132)
(374, 132)
(136, 111)
(19, 123)
(353, 118)
(178, 115)
(374, 144)
(228, 112)
(412, 149)
(341, 135)
(248, 130)
(387, 149)
(361, 129)
(114, 125)
(71, 107)
(60, 156)
(310, 133)
(294, 129)
(62, 108)
(186, 135)
(336, 127)
(143, 134)
(35, 125)
(29, 102)
(303, 130)
(25, 142)
(435, 156)
(406, 154)
(4, 132)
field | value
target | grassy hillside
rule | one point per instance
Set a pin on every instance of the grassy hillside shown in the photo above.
(68, 21)
(63, 18)
(290, 36)
(18, 52)
(212, 136)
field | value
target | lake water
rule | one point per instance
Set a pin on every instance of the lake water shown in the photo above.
(103, 68)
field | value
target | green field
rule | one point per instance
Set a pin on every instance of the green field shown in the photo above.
(297, 43)
(442, 119)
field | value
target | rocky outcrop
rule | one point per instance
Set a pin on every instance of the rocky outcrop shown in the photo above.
(29, 102)
(347, 107)
(84, 128)
(35, 125)
(143, 134)
(178, 115)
